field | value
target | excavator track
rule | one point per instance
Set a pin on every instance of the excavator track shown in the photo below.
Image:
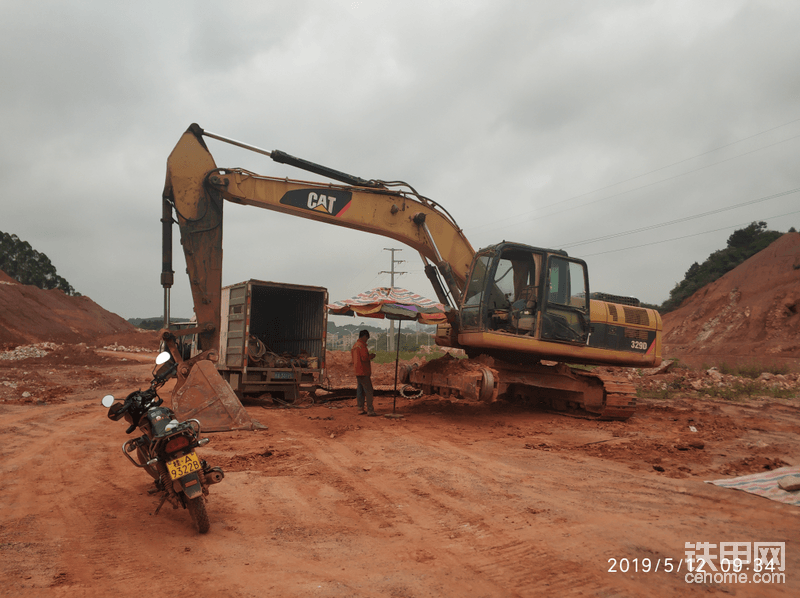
(620, 396)
(581, 393)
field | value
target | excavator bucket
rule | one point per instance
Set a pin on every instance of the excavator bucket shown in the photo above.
(206, 397)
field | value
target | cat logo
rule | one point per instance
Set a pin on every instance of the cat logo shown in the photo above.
(327, 201)
(320, 202)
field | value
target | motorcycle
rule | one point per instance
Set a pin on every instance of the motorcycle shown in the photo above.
(166, 448)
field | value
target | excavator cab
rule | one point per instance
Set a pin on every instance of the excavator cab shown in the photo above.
(527, 291)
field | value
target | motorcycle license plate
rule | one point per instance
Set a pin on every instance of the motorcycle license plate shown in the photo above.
(182, 466)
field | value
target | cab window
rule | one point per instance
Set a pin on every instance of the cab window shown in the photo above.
(566, 316)
(471, 306)
(567, 284)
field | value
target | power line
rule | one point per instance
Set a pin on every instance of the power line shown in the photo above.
(666, 179)
(394, 261)
(638, 176)
(390, 339)
(497, 222)
(679, 220)
(716, 230)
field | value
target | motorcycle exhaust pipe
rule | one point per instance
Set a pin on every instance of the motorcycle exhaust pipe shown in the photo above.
(214, 476)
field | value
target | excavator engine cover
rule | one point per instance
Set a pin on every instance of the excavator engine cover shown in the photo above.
(207, 398)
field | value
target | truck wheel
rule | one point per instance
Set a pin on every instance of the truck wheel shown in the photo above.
(197, 509)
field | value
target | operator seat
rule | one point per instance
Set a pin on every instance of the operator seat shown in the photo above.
(523, 310)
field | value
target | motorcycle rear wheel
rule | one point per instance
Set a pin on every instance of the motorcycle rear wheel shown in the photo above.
(197, 509)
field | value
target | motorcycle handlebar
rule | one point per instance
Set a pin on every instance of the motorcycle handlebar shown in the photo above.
(162, 377)
(117, 410)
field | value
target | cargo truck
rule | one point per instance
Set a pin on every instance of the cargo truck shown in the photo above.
(272, 338)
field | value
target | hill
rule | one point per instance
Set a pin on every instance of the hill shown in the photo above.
(749, 315)
(29, 314)
(23, 263)
(742, 244)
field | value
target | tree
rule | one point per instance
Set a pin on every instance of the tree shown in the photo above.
(23, 263)
(693, 269)
(742, 244)
(746, 236)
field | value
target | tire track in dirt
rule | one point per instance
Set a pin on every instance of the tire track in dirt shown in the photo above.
(98, 492)
(452, 501)
(454, 498)
(447, 503)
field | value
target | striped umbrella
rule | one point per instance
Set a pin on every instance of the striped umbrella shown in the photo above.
(392, 303)
(395, 304)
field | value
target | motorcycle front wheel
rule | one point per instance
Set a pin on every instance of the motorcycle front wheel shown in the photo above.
(197, 509)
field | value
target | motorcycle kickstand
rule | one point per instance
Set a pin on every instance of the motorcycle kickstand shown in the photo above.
(161, 504)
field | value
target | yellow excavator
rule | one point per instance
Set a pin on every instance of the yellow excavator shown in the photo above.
(521, 313)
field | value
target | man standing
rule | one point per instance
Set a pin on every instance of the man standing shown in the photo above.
(363, 368)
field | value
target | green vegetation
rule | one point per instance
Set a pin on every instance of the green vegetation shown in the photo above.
(582, 367)
(389, 356)
(669, 391)
(23, 263)
(747, 390)
(342, 338)
(353, 328)
(752, 370)
(738, 391)
(742, 244)
(661, 394)
(156, 323)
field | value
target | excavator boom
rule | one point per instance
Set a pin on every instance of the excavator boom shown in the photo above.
(514, 304)
(196, 189)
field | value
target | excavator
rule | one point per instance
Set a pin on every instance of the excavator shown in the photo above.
(521, 313)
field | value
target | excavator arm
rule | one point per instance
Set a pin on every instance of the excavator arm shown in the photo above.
(196, 189)
(514, 304)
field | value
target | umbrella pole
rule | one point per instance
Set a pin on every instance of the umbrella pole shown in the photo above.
(396, 365)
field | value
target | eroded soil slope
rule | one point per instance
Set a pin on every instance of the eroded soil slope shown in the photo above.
(29, 314)
(750, 315)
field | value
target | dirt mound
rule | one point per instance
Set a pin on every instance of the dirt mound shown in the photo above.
(341, 375)
(29, 314)
(450, 365)
(750, 315)
(6, 278)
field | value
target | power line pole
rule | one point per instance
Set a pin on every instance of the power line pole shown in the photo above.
(392, 272)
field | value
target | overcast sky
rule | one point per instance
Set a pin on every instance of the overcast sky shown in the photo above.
(547, 123)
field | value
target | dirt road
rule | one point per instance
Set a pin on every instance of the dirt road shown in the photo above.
(453, 500)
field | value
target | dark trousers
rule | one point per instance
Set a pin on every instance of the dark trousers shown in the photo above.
(364, 389)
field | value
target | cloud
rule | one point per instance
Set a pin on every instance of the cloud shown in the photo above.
(541, 122)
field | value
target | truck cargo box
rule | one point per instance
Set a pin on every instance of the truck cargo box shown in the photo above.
(272, 337)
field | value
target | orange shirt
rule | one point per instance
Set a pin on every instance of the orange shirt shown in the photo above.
(360, 356)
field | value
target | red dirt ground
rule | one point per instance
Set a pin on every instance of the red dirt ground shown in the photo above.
(454, 499)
